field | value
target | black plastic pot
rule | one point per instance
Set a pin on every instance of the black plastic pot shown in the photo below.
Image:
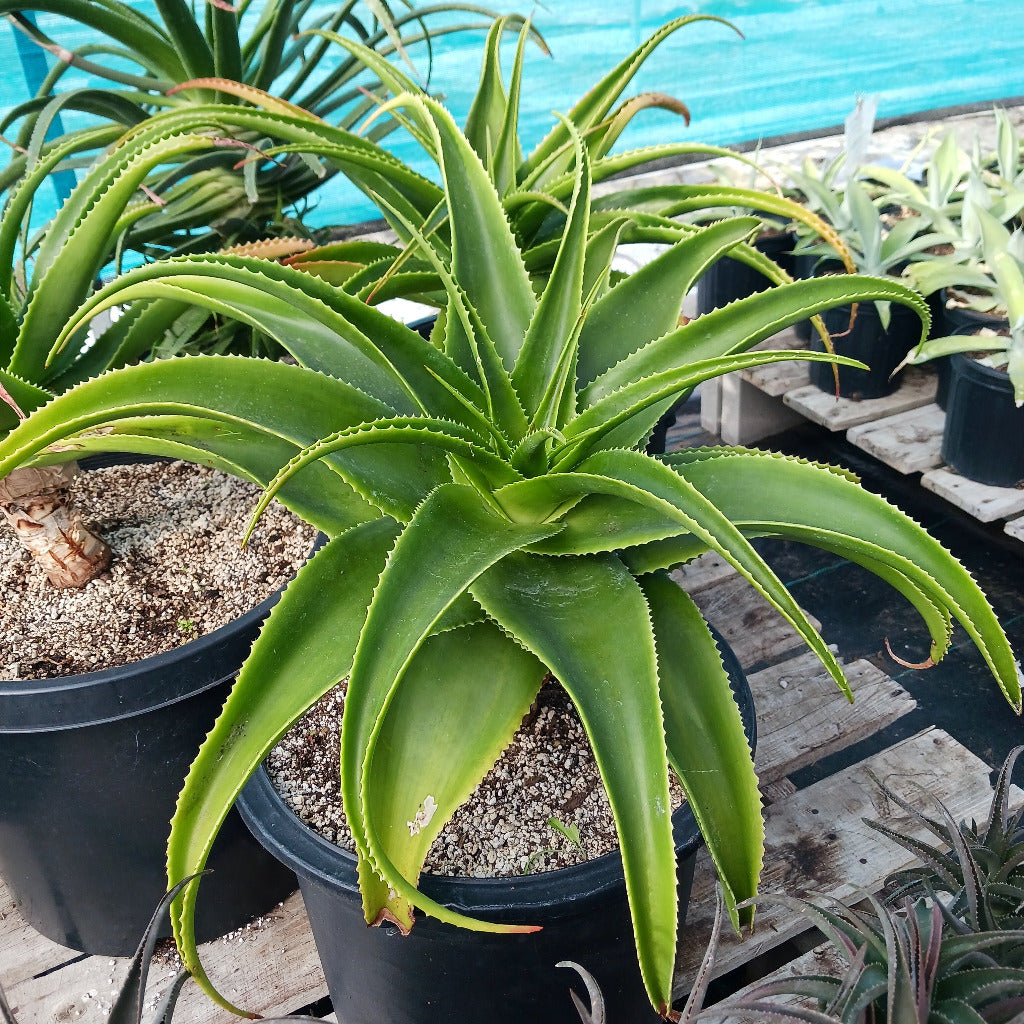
(727, 279)
(90, 769)
(441, 973)
(948, 320)
(983, 436)
(882, 350)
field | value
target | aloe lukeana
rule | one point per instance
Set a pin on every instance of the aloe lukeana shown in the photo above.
(486, 497)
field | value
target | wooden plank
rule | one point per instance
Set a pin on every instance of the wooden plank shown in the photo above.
(707, 570)
(802, 716)
(754, 630)
(816, 841)
(909, 442)
(778, 378)
(986, 504)
(1015, 528)
(917, 389)
(822, 960)
(270, 966)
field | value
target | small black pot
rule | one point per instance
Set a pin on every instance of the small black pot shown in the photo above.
(90, 769)
(727, 280)
(948, 320)
(442, 973)
(882, 350)
(983, 436)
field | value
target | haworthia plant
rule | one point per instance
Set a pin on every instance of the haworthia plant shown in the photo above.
(488, 488)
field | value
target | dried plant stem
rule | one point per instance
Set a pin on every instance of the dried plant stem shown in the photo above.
(36, 501)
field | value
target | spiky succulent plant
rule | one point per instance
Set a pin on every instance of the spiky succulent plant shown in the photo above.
(903, 968)
(138, 62)
(980, 866)
(491, 511)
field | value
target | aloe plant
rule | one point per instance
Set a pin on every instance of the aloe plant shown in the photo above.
(535, 188)
(140, 64)
(485, 496)
(999, 279)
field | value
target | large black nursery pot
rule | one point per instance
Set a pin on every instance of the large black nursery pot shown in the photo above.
(90, 769)
(442, 973)
(727, 279)
(881, 349)
(983, 436)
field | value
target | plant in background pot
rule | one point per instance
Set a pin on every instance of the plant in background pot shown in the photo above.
(980, 866)
(488, 506)
(984, 423)
(91, 762)
(879, 334)
(140, 64)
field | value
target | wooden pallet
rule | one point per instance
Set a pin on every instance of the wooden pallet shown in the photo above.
(815, 836)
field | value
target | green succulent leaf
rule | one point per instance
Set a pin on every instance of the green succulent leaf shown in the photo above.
(453, 537)
(432, 752)
(560, 608)
(707, 746)
(309, 639)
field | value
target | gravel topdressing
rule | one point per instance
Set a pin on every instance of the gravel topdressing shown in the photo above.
(548, 771)
(178, 572)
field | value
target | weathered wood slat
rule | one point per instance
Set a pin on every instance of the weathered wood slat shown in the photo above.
(778, 378)
(802, 715)
(822, 960)
(1015, 528)
(985, 503)
(909, 442)
(271, 966)
(917, 389)
(816, 840)
(754, 630)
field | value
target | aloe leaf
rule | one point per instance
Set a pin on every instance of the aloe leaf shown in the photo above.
(469, 344)
(453, 537)
(545, 367)
(128, 26)
(508, 153)
(25, 396)
(483, 249)
(320, 496)
(646, 305)
(420, 431)
(707, 747)
(254, 396)
(442, 733)
(611, 422)
(842, 506)
(593, 107)
(560, 609)
(304, 648)
(341, 335)
(744, 323)
(69, 258)
(650, 483)
(487, 113)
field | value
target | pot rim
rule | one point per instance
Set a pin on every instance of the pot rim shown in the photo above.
(138, 687)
